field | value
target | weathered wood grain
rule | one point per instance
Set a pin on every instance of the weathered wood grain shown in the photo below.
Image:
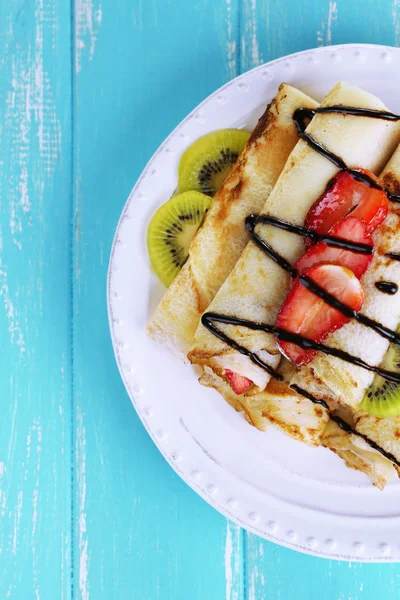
(89, 509)
(139, 531)
(275, 572)
(35, 294)
(273, 29)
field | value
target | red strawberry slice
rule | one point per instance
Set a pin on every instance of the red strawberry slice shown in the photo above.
(306, 314)
(352, 229)
(346, 195)
(238, 383)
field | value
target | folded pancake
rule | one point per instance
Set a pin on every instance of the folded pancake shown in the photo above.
(310, 423)
(223, 236)
(332, 379)
(358, 454)
(257, 286)
(278, 405)
(354, 449)
(383, 432)
(333, 382)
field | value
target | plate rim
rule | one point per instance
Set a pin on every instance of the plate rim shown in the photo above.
(200, 490)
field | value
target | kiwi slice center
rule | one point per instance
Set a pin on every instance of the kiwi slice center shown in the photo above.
(213, 174)
(205, 165)
(178, 237)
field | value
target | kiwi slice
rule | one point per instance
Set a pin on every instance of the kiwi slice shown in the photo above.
(205, 165)
(172, 229)
(383, 397)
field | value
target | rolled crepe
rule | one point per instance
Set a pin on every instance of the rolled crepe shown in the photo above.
(358, 454)
(339, 382)
(353, 449)
(310, 423)
(257, 286)
(384, 432)
(278, 405)
(223, 236)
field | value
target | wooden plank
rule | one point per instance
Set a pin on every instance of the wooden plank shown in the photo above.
(270, 30)
(140, 532)
(35, 190)
(275, 572)
(273, 29)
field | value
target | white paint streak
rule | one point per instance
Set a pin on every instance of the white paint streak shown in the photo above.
(255, 54)
(231, 42)
(37, 428)
(396, 21)
(3, 497)
(35, 497)
(36, 432)
(250, 48)
(19, 101)
(232, 562)
(228, 562)
(88, 22)
(28, 444)
(253, 584)
(64, 537)
(49, 129)
(81, 480)
(324, 36)
(332, 18)
(12, 429)
(17, 522)
(30, 114)
(14, 327)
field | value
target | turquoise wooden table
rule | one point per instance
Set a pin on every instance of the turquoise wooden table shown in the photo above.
(88, 507)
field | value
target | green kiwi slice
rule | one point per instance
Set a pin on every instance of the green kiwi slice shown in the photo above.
(383, 397)
(205, 165)
(172, 229)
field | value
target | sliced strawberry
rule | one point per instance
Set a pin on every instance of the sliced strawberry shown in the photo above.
(346, 195)
(306, 314)
(238, 383)
(351, 229)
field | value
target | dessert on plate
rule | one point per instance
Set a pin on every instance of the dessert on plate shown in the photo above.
(223, 236)
(289, 243)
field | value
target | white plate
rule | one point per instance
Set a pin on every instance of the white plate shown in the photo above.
(284, 491)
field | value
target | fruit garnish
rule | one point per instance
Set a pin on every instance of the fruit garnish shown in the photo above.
(171, 231)
(351, 229)
(347, 195)
(238, 383)
(305, 314)
(382, 399)
(205, 165)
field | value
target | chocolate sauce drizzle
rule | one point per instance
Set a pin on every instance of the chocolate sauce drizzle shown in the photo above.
(348, 312)
(345, 426)
(330, 240)
(301, 115)
(209, 318)
(387, 287)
